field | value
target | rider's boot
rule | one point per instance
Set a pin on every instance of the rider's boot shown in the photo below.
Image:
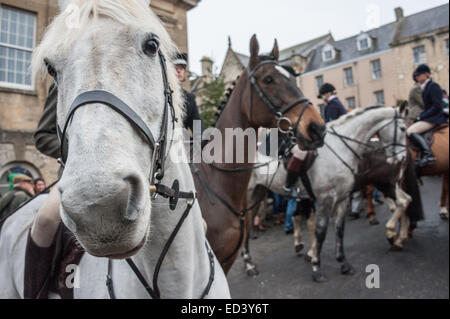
(293, 172)
(38, 266)
(427, 155)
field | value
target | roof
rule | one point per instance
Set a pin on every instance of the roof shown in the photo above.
(304, 48)
(348, 50)
(244, 59)
(383, 37)
(423, 22)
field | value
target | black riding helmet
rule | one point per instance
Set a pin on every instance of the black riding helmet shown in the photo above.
(326, 88)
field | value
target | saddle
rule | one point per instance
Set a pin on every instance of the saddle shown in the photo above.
(429, 137)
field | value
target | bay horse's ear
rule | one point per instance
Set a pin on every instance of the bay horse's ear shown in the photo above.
(254, 51)
(275, 51)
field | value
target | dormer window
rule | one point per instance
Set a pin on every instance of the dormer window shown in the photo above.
(364, 42)
(328, 53)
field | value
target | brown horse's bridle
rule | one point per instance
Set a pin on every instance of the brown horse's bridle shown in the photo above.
(278, 112)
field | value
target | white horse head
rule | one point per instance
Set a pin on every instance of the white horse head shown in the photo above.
(103, 45)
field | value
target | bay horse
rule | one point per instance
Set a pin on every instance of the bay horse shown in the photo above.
(266, 95)
(117, 110)
(440, 149)
(334, 173)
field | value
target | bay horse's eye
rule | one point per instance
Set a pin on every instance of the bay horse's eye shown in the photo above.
(150, 47)
(268, 80)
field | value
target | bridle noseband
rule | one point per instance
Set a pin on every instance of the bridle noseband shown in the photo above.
(106, 98)
(278, 112)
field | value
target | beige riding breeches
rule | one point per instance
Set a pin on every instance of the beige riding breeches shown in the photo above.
(47, 220)
(420, 127)
(298, 153)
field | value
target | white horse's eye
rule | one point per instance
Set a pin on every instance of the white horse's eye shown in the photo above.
(150, 47)
(50, 69)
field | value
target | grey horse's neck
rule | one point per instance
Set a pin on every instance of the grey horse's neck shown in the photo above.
(362, 127)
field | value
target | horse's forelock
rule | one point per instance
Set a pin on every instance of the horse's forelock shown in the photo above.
(77, 16)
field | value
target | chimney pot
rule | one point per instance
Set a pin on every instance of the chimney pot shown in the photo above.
(399, 13)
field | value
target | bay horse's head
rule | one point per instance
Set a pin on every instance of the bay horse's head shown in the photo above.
(118, 47)
(274, 100)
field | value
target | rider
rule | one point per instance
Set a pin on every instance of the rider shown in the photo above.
(41, 244)
(432, 116)
(192, 114)
(333, 110)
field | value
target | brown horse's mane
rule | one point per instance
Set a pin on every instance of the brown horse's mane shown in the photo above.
(223, 104)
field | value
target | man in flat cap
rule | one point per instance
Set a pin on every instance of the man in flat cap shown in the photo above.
(21, 192)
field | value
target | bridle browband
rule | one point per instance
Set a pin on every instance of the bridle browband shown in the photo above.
(159, 148)
(278, 112)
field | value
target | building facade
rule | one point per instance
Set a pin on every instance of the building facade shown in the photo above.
(22, 98)
(376, 66)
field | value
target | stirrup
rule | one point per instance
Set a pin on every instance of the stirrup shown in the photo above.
(427, 160)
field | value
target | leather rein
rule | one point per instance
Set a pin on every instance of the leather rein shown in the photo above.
(159, 148)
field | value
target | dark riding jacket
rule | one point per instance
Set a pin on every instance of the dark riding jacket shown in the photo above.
(432, 99)
(191, 111)
(334, 110)
(46, 136)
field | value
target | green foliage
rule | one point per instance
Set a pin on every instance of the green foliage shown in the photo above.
(213, 94)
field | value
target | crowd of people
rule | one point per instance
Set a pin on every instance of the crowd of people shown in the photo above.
(428, 108)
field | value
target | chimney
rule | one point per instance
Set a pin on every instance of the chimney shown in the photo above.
(399, 14)
(207, 67)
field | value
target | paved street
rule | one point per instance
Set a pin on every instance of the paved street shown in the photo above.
(421, 270)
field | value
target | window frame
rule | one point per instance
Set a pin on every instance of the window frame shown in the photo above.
(328, 48)
(9, 85)
(374, 71)
(317, 82)
(346, 83)
(362, 37)
(424, 54)
(376, 94)
(354, 101)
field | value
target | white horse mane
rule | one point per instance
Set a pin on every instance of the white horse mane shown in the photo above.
(353, 114)
(78, 16)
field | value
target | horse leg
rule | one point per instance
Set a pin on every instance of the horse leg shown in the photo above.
(391, 225)
(346, 268)
(444, 198)
(403, 200)
(322, 219)
(250, 268)
(311, 223)
(298, 244)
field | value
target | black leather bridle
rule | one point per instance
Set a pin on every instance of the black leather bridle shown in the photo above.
(106, 98)
(159, 148)
(278, 112)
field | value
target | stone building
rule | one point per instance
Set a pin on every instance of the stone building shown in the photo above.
(22, 98)
(376, 66)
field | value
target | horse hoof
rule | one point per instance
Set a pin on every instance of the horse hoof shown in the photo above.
(390, 240)
(374, 222)
(299, 248)
(396, 248)
(444, 216)
(347, 269)
(308, 259)
(252, 272)
(319, 277)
